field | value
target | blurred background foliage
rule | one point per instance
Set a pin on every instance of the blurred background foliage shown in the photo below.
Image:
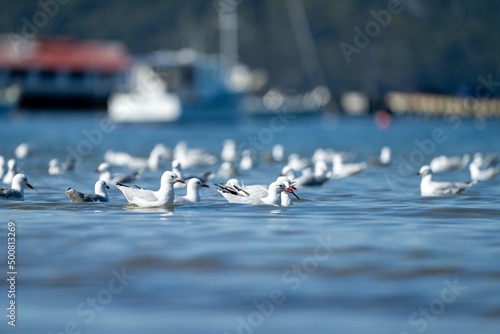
(440, 46)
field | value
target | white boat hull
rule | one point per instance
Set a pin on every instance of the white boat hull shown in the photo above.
(139, 107)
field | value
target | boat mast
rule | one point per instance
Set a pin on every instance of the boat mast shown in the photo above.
(228, 32)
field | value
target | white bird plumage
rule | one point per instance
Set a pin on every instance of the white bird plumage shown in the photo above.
(105, 175)
(16, 191)
(11, 171)
(432, 188)
(192, 191)
(149, 198)
(478, 174)
(445, 163)
(341, 169)
(235, 192)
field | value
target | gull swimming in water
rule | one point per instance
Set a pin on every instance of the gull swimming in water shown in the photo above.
(104, 170)
(11, 171)
(443, 163)
(235, 186)
(57, 168)
(479, 174)
(244, 197)
(100, 194)
(319, 177)
(192, 191)
(340, 169)
(16, 191)
(432, 188)
(158, 154)
(149, 198)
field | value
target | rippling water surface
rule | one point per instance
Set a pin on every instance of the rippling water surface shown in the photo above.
(358, 255)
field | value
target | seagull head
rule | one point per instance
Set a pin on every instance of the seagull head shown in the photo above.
(170, 178)
(425, 170)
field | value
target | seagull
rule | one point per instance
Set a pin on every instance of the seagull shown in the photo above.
(149, 198)
(177, 169)
(16, 192)
(486, 160)
(341, 170)
(100, 194)
(384, 158)
(259, 190)
(430, 188)
(57, 168)
(288, 172)
(478, 174)
(272, 197)
(278, 153)
(443, 163)
(193, 157)
(105, 174)
(23, 150)
(227, 170)
(11, 171)
(229, 152)
(193, 191)
(158, 154)
(320, 175)
(247, 161)
(286, 200)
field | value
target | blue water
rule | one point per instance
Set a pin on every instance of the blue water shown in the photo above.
(364, 254)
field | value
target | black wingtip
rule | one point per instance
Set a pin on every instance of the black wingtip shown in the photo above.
(118, 184)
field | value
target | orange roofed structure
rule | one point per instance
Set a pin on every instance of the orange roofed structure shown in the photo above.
(62, 72)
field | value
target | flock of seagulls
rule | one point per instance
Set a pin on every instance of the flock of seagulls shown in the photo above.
(296, 173)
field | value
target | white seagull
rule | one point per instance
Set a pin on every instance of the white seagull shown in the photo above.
(272, 198)
(478, 174)
(16, 192)
(443, 163)
(384, 158)
(229, 152)
(158, 154)
(192, 191)
(149, 198)
(340, 169)
(431, 188)
(57, 168)
(308, 178)
(247, 161)
(104, 170)
(100, 194)
(11, 171)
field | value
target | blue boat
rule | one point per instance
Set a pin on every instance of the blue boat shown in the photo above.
(208, 86)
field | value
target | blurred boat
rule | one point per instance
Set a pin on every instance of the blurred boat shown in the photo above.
(144, 99)
(208, 86)
(61, 73)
